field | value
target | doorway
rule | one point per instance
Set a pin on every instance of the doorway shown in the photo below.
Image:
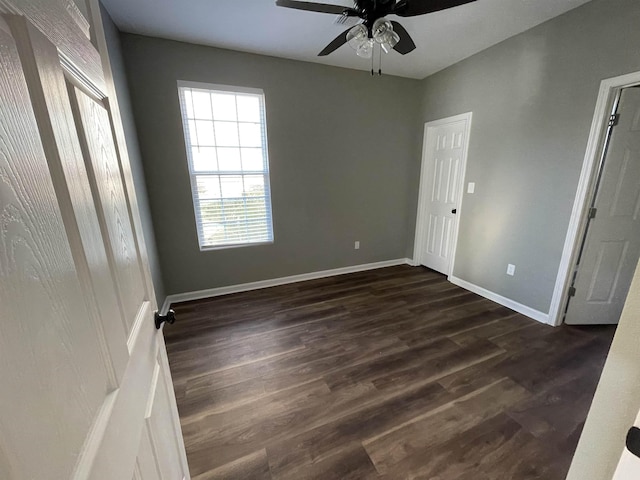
(444, 158)
(601, 133)
(610, 246)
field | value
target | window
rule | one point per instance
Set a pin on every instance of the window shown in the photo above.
(226, 139)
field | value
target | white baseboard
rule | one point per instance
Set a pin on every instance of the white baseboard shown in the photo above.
(245, 287)
(504, 301)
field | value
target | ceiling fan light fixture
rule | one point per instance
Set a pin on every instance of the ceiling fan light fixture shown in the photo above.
(371, 13)
(357, 36)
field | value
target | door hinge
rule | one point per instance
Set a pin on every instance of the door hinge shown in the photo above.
(592, 213)
(614, 119)
(572, 291)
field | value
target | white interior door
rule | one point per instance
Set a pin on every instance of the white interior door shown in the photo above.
(629, 465)
(612, 245)
(443, 167)
(86, 389)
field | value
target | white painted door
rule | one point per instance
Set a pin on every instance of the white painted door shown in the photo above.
(86, 389)
(629, 465)
(612, 245)
(443, 166)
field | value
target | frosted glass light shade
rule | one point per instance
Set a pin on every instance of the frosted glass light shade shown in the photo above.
(356, 36)
(384, 35)
(392, 39)
(380, 29)
(365, 50)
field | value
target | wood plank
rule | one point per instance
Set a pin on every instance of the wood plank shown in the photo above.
(253, 466)
(350, 463)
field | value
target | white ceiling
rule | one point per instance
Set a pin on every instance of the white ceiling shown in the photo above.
(258, 26)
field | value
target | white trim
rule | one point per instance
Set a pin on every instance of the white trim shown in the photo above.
(606, 95)
(166, 305)
(504, 301)
(245, 287)
(419, 238)
(222, 88)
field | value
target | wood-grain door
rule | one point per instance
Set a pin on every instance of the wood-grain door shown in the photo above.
(86, 388)
(612, 244)
(443, 167)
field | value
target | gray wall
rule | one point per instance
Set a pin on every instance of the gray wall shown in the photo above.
(533, 98)
(124, 102)
(341, 149)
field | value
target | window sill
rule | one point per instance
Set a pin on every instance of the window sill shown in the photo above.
(234, 245)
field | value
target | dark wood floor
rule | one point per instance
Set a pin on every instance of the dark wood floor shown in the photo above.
(388, 374)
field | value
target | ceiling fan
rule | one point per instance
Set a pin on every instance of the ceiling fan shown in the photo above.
(374, 28)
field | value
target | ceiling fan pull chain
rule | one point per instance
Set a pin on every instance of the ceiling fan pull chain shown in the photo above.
(372, 55)
(380, 61)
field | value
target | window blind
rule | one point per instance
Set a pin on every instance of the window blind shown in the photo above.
(225, 136)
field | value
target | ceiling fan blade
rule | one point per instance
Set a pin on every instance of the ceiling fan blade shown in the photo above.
(313, 7)
(406, 44)
(412, 8)
(335, 43)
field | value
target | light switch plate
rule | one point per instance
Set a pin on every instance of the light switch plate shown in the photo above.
(471, 187)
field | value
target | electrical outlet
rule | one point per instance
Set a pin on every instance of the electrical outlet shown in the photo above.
(511, 269)
(471, 187)
(356, 245)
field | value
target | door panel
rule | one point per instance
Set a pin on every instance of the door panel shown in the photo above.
(101, 160)
(65, 26)
(626, 200)
(160, 430)
(606, 273)
(444, 152)
(146, 466)
(612, 245)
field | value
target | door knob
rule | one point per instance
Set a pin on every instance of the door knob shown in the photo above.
(633, 441)
(454, 211)
(170, 318)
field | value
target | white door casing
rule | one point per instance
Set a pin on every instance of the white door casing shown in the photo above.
(87, 392)
(612, 245)
(444, 159)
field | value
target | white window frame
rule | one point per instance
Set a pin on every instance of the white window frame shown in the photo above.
(193, 174)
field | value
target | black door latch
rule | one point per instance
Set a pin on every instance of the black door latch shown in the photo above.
(170, 318)
(633, 441)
